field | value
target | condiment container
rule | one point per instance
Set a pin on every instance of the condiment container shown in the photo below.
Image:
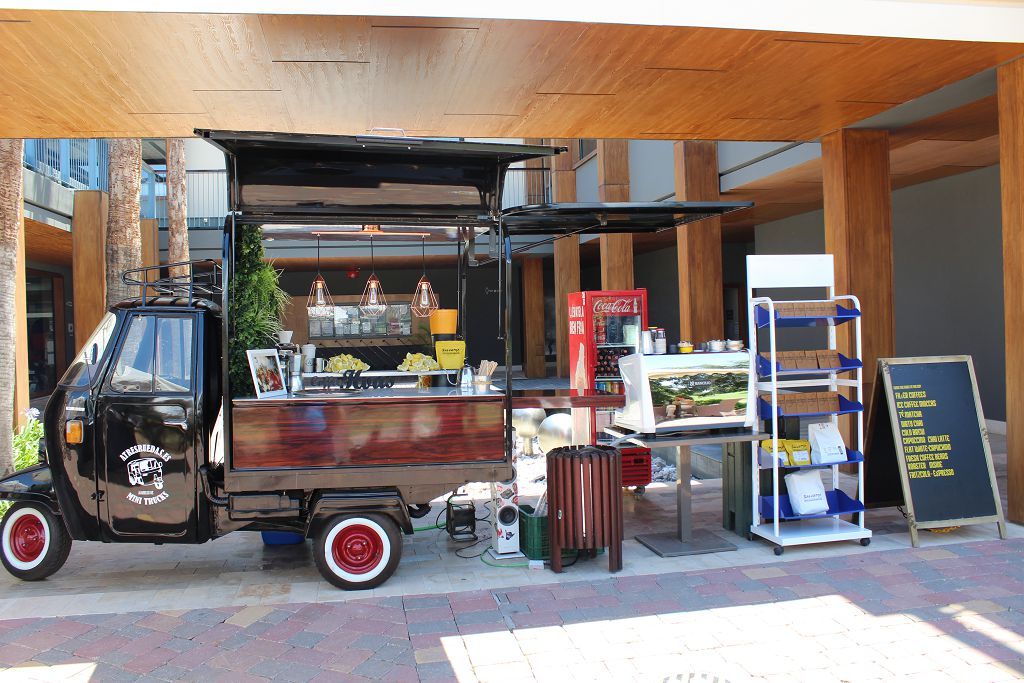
(685, 347)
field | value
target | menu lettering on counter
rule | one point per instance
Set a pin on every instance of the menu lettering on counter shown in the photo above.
(933, 456)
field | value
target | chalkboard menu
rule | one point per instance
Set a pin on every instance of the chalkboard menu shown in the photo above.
(935, 447)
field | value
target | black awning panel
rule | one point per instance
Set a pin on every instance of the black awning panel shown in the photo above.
(286, 176)
(610, 217)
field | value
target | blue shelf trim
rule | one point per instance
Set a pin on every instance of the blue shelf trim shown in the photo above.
(842, 315)
(764, 367)
(838, 504)
(852, 458)
(764, 409)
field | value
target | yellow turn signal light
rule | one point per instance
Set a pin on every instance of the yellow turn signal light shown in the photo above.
(74, 431)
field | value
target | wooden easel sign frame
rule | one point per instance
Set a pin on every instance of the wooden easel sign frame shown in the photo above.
(909, 408)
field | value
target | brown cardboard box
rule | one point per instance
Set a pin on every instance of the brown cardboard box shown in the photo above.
(828, 359)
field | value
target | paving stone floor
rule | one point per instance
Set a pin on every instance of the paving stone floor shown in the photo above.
(954, 612)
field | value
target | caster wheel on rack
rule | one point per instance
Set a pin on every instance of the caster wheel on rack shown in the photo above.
(750, 536)
(779, 550)
(865, 542)
(639, 491)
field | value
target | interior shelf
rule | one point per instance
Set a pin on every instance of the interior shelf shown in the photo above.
(846, 406)
(764, 367)
(838, 504)
(764, 461)
(842, 315)
(804, 531)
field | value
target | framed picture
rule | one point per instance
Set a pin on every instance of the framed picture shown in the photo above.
(266, 373)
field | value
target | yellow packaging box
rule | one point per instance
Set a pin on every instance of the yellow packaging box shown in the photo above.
(798, 452)
(451, 355)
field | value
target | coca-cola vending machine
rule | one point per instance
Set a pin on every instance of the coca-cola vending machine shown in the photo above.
(603, 326)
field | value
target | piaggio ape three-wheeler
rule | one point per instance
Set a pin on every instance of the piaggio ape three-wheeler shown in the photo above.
(145, 445)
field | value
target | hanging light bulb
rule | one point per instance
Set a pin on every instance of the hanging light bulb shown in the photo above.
(373, 302)
(424, 302)
(320, 304)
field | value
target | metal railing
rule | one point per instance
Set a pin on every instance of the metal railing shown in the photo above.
(206, 197)
(526, 186)
(77, 164)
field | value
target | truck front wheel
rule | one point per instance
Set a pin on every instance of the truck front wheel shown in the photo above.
(33, 542)
(358, 551)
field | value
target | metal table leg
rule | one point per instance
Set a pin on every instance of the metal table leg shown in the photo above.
(686, 540)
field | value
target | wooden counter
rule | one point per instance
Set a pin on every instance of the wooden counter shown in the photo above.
(369, 428)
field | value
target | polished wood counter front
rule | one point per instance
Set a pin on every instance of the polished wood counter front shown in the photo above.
(368, 429)
(565, 398)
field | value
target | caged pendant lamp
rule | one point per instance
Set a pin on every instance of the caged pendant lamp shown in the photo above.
(424, 302)
(319, 304)
(373, 302)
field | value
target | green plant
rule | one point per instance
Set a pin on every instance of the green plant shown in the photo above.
(257, 303)
(26, 447)
(26, 444)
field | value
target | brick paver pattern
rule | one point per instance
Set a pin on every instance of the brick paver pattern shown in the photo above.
(949, 613)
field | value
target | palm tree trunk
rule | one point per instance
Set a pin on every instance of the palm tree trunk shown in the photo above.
(177, 206)
(11, 225)
(124, 234)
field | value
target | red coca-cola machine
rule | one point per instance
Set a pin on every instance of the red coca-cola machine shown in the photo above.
(603, 326)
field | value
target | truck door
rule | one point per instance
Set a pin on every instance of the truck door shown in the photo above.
(146, 416)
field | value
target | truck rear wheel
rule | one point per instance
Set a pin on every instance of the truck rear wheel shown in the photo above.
(358, 551)
(33, 542)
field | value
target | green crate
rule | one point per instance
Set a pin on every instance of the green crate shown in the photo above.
(533, 536)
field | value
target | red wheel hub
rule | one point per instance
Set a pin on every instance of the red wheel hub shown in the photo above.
(357, 549)
(28, 538)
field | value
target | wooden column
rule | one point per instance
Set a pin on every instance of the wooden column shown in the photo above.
(567, 255)
(858, 233)
(22, 395)
(532, 274)
(699, 245)
(149, 228)
(1011, 174)
(613, 186)
(89, 262)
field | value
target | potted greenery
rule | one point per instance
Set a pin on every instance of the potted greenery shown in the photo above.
(256, 306)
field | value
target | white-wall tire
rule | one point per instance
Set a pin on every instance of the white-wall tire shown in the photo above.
(358, 551)
(33, 542)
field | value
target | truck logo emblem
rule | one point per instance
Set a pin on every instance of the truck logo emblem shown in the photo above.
(145, 464)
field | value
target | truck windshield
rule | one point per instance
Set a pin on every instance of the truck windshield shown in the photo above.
(83, 370)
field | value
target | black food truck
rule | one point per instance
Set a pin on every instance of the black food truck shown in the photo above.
(144, 444)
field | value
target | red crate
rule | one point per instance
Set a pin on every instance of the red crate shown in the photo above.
(636, 466)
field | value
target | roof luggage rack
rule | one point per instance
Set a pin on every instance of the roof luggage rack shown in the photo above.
(203, 284)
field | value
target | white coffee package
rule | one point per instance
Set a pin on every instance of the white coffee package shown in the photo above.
(806, 492)
(827, 447)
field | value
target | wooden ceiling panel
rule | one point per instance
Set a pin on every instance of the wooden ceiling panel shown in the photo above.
(316, 39)
(314, 92)
(972, 121)
(150, 75)
(47, 244)
(499, 78)
(414, 71)
(244, 109)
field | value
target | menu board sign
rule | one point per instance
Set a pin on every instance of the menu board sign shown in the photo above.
(936, 442)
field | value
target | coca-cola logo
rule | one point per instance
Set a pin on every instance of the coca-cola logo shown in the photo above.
(615, 306)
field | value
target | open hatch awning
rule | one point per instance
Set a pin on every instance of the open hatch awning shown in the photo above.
(291, 177)
(610, 217)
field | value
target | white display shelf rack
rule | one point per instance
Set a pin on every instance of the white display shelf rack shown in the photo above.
(774, 519)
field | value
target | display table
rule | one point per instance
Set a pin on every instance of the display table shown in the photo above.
(685, 540)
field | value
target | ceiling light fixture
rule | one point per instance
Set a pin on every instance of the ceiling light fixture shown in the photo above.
(424, 302)
(320, 304)
(373, 302)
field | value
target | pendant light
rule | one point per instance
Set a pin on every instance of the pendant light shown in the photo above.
(320, 304)
(373, 302)
(423, 300)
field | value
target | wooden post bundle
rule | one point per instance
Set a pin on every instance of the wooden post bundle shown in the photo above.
(585, 502)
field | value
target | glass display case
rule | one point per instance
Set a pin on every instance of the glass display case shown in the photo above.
(349, 323)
